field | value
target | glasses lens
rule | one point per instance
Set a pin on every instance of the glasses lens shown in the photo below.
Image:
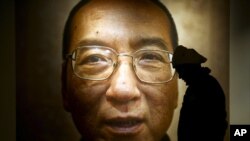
(97, 63)
(153, 66)
(93, 63)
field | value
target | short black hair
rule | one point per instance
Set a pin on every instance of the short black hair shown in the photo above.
(173, 30)
(66, 33)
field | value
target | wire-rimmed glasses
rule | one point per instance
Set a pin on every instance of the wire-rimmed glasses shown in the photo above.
(99, 62)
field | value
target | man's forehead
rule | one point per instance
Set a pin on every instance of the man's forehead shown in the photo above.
(130, 13)
(133, 9)
(120, 3)
(119, 21)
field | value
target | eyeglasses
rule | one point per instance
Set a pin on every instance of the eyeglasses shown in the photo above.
(99, 62)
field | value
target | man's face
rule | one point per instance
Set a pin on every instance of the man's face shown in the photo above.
(121, 107)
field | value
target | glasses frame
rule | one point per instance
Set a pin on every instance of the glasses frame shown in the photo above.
(114, 65)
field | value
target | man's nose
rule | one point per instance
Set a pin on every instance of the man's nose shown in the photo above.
(123, 86)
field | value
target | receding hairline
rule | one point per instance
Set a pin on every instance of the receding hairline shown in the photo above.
(83, 3)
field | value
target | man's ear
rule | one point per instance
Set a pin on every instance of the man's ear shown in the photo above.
(64, 88)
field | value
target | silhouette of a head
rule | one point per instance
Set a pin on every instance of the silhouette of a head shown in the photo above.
(187, 62)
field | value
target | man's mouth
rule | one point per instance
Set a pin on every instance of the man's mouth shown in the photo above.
(124, 126)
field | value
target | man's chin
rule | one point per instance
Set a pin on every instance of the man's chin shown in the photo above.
(133, 133)
(129, 129)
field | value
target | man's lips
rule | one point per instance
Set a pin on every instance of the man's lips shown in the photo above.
(124, 126)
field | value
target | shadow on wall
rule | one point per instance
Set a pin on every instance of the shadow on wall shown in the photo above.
(196, 107)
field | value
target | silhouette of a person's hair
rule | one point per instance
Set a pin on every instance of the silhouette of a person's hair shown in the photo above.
(203, 114)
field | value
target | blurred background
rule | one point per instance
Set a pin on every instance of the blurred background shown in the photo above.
(31, 41)
(240, 62)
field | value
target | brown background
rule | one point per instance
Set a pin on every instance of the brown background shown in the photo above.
(39, 29)
(202, 24)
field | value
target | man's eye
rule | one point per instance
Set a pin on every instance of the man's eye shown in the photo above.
(92, 59)
(151, 57)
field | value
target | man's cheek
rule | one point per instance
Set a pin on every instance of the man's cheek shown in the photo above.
(87, 97)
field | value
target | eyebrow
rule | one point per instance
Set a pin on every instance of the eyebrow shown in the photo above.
(158, 42)
(137, 43)
(92, 42)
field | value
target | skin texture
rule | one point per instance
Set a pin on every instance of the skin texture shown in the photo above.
(124, 26)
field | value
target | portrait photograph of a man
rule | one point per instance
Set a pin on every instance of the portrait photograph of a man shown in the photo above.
(122, 70)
